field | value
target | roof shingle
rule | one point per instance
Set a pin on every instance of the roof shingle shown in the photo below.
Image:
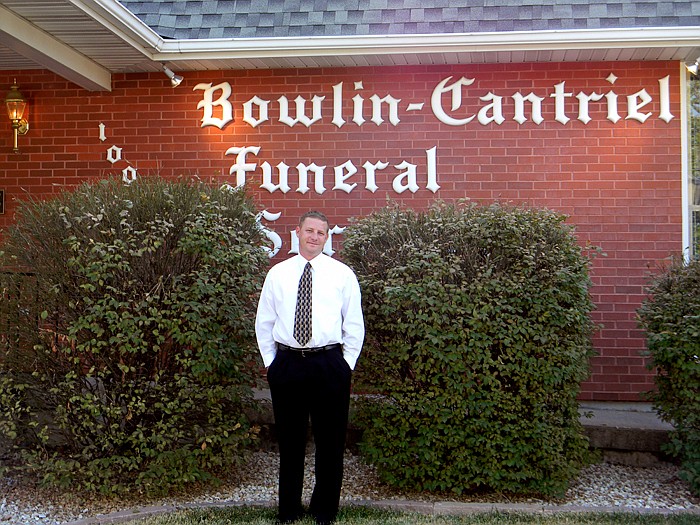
(261, 18)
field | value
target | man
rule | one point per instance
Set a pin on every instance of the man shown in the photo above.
(309, 364)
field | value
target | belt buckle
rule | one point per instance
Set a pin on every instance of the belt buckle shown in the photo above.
(303, 353)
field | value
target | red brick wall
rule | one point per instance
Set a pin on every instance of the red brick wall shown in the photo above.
(620, 182)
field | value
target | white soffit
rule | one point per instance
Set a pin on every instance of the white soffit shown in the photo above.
(31, 42)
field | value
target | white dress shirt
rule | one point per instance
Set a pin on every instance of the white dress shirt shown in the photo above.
(336, 308)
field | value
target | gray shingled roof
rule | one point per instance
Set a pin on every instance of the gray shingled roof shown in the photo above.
(188, 19)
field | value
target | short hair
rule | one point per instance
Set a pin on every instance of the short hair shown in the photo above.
(314, 214)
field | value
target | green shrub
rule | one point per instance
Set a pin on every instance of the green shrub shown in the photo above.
(671, 318)
(137, 356)
(478, 336)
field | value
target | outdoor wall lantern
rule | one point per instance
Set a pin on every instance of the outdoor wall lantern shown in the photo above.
(175, 80)
(16, 104)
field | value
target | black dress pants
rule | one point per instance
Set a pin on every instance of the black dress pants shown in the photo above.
(316, 386)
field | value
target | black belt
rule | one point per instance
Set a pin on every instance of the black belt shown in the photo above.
(311, 350)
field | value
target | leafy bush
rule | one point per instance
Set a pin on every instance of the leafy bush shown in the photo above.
(478, 336)
(671, 318)
(136, 360)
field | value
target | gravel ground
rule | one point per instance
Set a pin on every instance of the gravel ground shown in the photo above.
(602, 485)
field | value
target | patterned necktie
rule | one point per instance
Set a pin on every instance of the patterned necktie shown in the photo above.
(302, 315)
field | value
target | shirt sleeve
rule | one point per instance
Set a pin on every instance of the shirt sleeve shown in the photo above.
(353, 321)
(265, 322)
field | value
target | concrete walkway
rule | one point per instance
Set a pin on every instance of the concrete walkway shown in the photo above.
(628, 433)
(622, 415)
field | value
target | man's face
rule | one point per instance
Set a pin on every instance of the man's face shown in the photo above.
(312, 235)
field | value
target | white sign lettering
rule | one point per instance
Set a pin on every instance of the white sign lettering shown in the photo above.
(447, 104)
(447, 90)
(408, 179)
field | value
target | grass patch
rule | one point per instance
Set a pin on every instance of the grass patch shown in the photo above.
(367, 515)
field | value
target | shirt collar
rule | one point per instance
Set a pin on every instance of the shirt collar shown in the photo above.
(314, 262)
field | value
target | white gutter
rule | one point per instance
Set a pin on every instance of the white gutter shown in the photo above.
(226, 48)
(686, 183)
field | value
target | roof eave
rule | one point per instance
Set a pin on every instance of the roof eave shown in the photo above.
(119, 20)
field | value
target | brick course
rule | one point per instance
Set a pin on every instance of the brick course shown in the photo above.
(619, 183)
